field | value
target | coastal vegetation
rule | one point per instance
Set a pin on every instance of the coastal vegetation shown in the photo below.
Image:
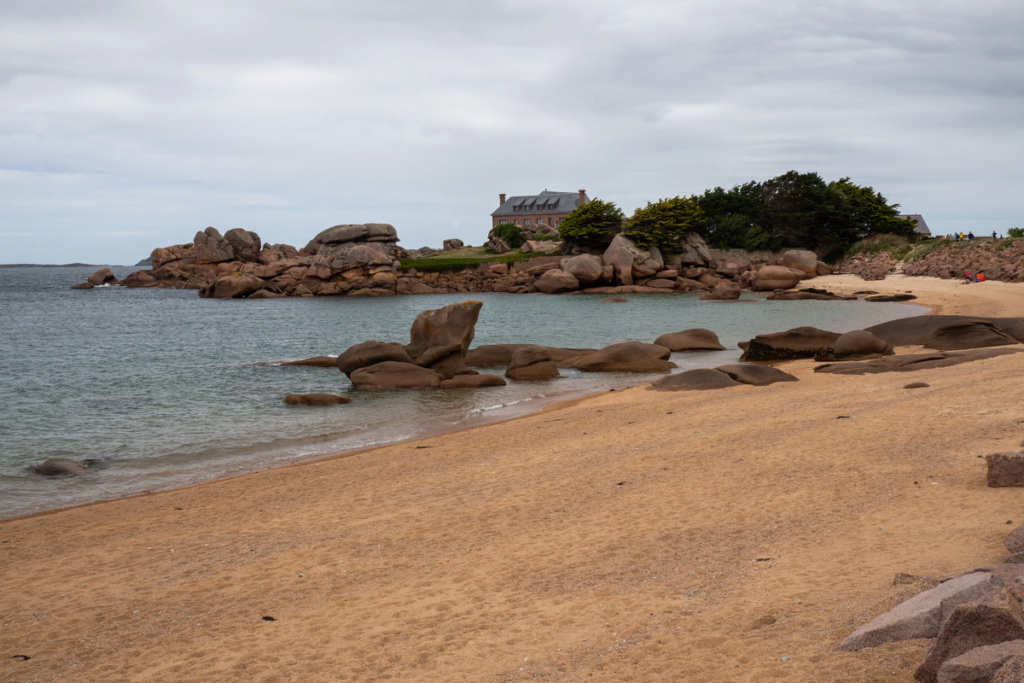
(793, 210)
(461, 259)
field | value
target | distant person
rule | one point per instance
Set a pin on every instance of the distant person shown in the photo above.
(993, 234)
(970, 237)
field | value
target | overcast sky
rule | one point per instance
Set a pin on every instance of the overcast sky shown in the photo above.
(129, 125)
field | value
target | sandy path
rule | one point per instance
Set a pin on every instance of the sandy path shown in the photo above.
(734, 535)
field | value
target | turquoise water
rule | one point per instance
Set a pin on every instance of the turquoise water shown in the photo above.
(163, 389)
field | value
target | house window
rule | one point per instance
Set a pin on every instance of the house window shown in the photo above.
(502, 221)
(526, 221)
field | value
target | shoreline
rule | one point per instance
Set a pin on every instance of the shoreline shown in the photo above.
(628, 535)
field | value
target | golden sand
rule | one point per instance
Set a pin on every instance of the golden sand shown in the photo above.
(729, 535)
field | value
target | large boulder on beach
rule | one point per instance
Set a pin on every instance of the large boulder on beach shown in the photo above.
(61, 466)
(700, 379)
(922, 615)
(440, 338)
(802, 260)
(970, 625)
(918, 330)
(769, 278)
(968, 335)
(756, 375)
(981, 664)
(799, 342)
(531, 363)
(860, 343)
(556, 281)
(370, 353)
(394, 375)
(625, 357)
(696, 339)
(500, 355)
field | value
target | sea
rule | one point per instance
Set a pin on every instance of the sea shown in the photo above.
(158, 389)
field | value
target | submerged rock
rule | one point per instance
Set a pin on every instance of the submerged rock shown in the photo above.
(61, 466)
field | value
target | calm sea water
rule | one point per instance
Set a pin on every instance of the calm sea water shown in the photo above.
(163, 389)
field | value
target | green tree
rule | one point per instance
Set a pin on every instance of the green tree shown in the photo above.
(665, 223)
(869, 213)
(732, 218)
(593, 224)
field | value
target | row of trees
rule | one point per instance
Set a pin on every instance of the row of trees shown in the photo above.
(793, 210)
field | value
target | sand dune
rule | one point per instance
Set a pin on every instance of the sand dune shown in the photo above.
(733, 535)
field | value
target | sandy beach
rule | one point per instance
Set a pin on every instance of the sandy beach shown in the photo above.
(729, 535)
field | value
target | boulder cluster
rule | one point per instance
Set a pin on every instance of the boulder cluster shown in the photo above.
(363, 260)
(1001, 260)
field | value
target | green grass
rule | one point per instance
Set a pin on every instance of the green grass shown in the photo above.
(462, 259)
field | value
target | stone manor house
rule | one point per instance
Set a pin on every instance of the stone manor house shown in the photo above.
(544, 209)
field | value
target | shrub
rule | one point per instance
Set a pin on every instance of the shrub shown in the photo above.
(511, 233)
(1015, 232)
(896, 245)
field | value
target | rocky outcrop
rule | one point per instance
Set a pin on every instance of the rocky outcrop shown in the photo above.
(586, 268)
(629, 263)
(970, 334)
(1001, 260)
(625, 357)
(858, 344)
(452, 244)
(500, 355)
(869, 266)
(920, 329)
(101, 277)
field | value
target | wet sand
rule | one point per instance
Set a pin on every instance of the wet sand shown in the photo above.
(730, 535)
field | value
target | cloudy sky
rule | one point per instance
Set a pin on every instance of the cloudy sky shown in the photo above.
(128, 124)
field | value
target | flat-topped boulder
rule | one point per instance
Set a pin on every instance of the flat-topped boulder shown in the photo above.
(799, 342)
(473, 381)
(625, 357)
(756, 375)
(700, 379)
(369, 353)
(391, 375)
(696, 339)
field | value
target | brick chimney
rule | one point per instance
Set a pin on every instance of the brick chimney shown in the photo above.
(501, 198)
(583, 197)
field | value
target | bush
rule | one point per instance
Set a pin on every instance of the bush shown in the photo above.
(896, 245)
(511, 233)
(1015, 232)
(664, 224)
(593, 225)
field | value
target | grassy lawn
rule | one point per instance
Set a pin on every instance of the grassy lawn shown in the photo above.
(466, 257)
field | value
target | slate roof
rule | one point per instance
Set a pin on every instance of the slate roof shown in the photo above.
(545, 202)
(920, 227)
